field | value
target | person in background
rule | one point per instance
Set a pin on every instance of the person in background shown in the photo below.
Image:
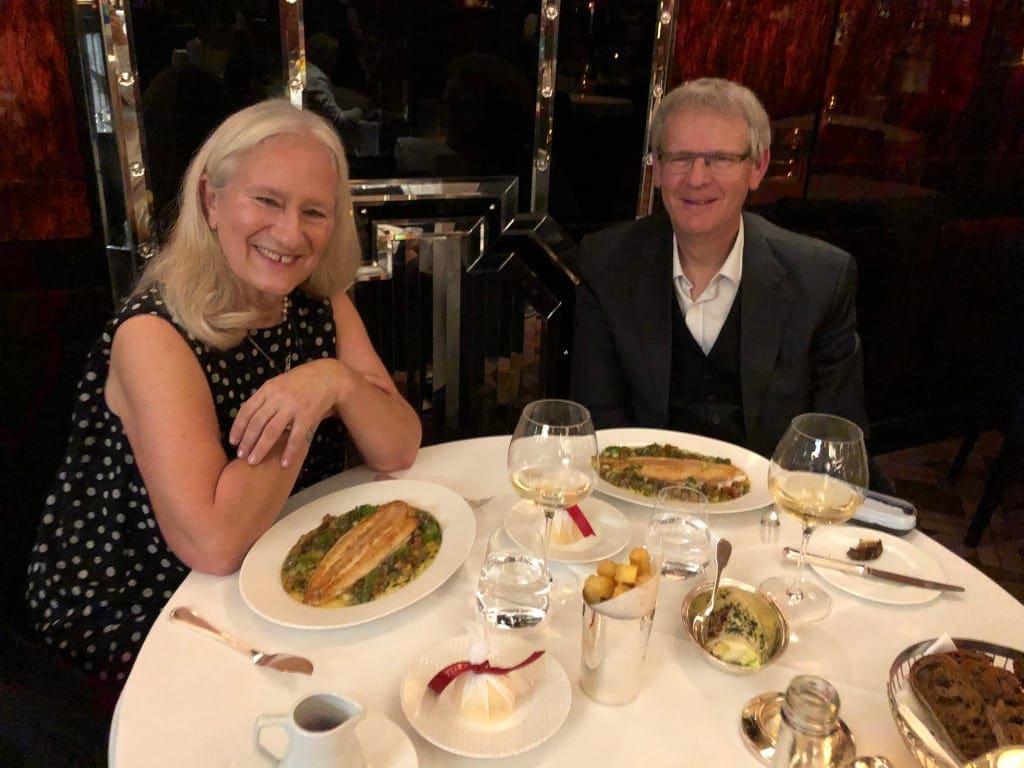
(227, 381)
(706, 319)
(181, 106)
(321, 58)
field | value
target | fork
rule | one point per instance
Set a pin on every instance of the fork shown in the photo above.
(473, 503)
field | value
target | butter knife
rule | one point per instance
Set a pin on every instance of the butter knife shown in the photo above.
(282, 662)
(867, 570)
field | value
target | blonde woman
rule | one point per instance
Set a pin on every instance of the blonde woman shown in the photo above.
(226, 382)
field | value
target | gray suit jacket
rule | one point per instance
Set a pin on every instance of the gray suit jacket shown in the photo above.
(799, 349)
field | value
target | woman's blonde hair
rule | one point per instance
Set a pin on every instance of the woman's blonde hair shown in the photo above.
(197, 285)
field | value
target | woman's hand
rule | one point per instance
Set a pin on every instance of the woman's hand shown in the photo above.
(292, 404)
(354, 386)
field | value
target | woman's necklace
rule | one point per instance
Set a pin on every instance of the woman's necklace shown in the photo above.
(285, 307)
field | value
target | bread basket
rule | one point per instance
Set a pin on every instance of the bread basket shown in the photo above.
(899, 674)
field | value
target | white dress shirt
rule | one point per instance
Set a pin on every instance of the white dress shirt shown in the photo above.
(706, 315)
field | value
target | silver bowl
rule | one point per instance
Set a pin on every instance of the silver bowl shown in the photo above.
(767, 614)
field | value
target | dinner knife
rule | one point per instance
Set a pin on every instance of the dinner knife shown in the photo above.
(867, 570)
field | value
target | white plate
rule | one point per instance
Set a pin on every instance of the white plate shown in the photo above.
(260, 575)
(383, 743)
(611, 531)
(755, 465)
(897, 555)
(541, 714)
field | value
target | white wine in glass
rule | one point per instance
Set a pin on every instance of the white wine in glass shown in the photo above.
(817, 474)
(552, 488)
(552, 459)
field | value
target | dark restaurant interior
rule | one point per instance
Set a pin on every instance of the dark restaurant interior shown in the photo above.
(897, 135)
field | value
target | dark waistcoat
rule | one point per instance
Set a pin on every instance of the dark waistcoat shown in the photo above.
(705, 395)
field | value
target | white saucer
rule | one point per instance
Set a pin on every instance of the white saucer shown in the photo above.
(384, 744)
(540, 716)
(611, 529)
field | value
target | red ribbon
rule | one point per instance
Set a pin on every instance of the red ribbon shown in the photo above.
(440, 681)
(581, 520)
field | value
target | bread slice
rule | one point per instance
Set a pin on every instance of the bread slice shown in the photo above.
(978, 705)
(1005, 696)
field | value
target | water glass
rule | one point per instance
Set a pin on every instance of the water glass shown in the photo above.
(680, 531)
(514, 589)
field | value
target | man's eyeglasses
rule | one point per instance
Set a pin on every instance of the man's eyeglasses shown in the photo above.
(718, 163)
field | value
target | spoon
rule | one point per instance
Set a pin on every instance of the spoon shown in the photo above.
(283, 662)
(700, 621)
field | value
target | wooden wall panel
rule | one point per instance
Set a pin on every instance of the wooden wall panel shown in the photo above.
(43, 194)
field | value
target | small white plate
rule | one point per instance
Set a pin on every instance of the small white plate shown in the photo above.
(611, 531)
(897, 555)
(755, 465)
(384, 745)
(260, 576)
(542, 712)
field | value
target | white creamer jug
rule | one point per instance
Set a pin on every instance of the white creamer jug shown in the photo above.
(321, 731)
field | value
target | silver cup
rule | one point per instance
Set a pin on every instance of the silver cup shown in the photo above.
(613, 654)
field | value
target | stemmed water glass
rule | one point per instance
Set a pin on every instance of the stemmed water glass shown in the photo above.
(552, 459)
(817, 474)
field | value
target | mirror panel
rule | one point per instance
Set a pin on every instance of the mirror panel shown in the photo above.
(380, 202)
(199, 62)
(113, 97)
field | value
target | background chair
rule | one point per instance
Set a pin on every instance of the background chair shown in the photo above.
(1006, 461)
(989, 358)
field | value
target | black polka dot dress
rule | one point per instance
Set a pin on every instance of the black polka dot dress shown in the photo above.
(100, 569)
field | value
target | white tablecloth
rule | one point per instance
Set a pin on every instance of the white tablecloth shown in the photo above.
(191, 701)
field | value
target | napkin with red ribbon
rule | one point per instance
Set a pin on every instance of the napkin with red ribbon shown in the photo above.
(441, 680)
(482, 692)
(581, 520)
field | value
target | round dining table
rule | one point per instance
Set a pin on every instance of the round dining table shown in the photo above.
(191, 701)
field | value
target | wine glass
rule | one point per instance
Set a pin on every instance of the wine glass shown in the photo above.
(552, 459)
(817, 474)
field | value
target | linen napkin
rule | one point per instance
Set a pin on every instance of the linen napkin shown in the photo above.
(477, 690)
(570, 526)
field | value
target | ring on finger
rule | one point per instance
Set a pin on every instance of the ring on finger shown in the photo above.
(288, 427)
(309, 435)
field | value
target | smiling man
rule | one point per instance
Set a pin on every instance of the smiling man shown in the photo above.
(706, 319)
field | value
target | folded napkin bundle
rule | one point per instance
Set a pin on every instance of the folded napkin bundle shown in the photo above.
(570, 526)
(482, 693)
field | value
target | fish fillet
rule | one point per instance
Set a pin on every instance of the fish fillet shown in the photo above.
(360, 550)
(677, 470)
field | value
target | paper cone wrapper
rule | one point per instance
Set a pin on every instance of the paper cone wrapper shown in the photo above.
(637, 602)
